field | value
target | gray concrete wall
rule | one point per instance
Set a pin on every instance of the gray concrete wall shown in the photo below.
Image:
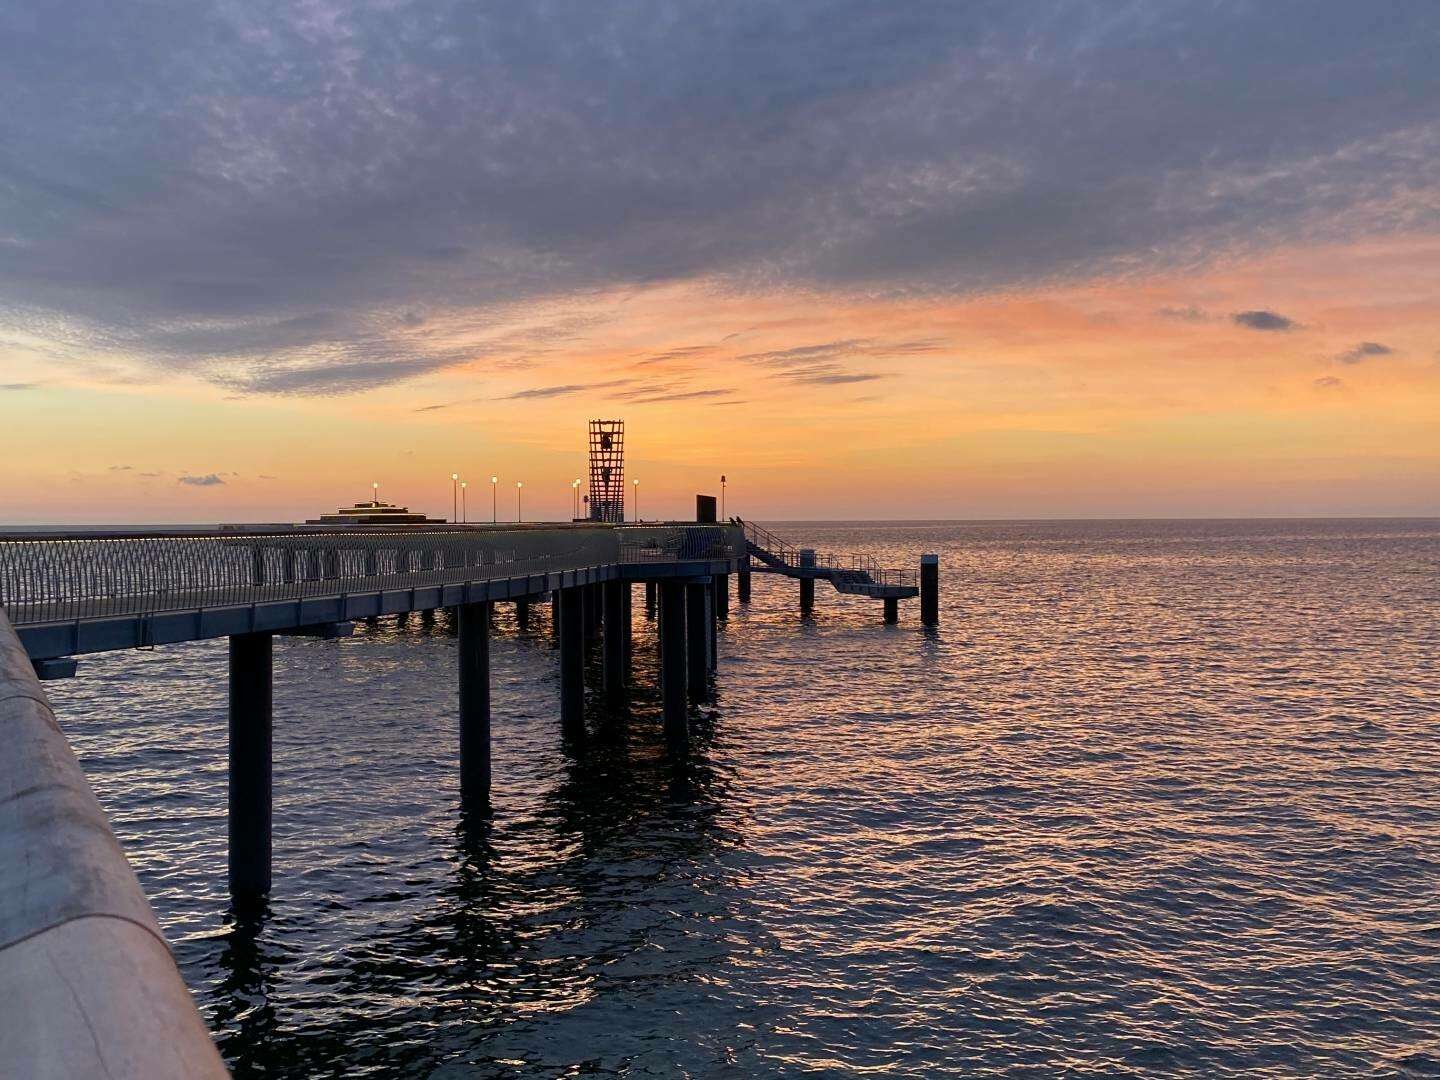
(87, 983)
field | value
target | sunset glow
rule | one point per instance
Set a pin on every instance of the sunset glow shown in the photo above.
(1256, 335)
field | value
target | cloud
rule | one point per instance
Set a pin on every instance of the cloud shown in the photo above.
(121, 468)
(207, 480)
(18, 386)
(287, 202)
(1189, 314)
(1262, 320)
(1329, 382)
(685, 352)
(264, 476)
(830, 378)
(1362, 352)
(562, 391)
(644, 397)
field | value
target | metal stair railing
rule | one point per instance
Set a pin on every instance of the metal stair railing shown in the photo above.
(842, 567)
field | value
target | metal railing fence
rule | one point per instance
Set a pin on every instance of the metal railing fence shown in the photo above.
(842, 561)
(62, 578)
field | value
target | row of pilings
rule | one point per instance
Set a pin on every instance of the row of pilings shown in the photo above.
(687, 610)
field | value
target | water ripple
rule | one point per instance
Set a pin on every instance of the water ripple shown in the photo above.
(1159, 798)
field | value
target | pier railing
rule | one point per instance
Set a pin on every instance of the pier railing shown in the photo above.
(62, 577)
(88, 984)
(843, 561)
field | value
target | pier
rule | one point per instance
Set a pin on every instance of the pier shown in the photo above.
(65, 595)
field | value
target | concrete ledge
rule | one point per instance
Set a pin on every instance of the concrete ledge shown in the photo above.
(99, 997)
(87, 985)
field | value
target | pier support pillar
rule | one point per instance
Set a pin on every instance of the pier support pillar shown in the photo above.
(627, 636)
(522, 613)
(672, 664)
(587, 613)
(697, 639)
(555, 618)
(650, 588)
(892, 609)
(571, 603)
(807, 584)
(613, 593)
(930, 590)
(743, 587)
(722, 597)
(251, 725)
(474, 645)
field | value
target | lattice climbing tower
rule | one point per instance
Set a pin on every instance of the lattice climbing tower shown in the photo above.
(607, 470)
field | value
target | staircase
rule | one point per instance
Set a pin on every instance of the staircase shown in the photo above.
(855, 575)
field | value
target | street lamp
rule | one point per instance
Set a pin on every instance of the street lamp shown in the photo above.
(464, 511)
(518, 486)
(454, 497)
(375, 494)
(637, 500)
(722, 498)
(575, 496)
(494, 499)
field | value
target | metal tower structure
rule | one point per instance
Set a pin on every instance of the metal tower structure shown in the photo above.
(607, 470)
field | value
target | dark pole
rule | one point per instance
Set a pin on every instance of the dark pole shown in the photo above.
(251, 726)
(650, 588)
(930, 590)
(614, 599)
(892, 609)
(572, 659)
(672, 665)
(744, 586)
(522, 613)
(722, 597)
(475, 703)
(627, 635)
(697, 639)
(807, 584)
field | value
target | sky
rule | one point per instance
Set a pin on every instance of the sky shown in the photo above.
(867, 260)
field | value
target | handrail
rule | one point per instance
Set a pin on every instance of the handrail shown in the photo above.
(64, 578)
(825, 561)
(89, 985)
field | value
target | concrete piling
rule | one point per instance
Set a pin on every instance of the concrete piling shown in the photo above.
(474, 647)
(650, 588)
(930, 590)
(613, 594)
(251, 726)
(697, 639)
(722, 597)
(743, 587)
(807, 584)
(672, 665)
(571, 605)
(626, 629)
(522, 613)
(892, 610)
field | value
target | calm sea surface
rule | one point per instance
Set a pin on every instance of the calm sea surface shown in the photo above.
(1158, 798)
